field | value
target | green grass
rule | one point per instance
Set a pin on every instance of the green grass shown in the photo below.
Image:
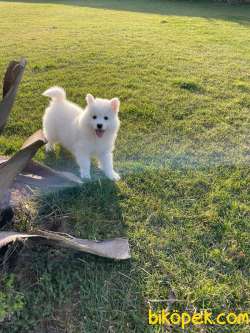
(181, 70)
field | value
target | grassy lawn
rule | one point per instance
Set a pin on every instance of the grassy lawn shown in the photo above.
(182, 72)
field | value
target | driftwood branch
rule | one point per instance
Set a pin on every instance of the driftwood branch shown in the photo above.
(117, 248)
(11, 82)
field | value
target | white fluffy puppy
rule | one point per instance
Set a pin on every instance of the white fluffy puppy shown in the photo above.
(84, 132)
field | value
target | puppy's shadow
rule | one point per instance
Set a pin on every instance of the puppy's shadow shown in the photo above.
(62, 160)
(89, 211)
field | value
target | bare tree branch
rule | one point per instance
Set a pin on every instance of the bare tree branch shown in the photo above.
(117, 248)
(11, 82)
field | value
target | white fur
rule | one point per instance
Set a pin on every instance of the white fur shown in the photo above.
(75, 129)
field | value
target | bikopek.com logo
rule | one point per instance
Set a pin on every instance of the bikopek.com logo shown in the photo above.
(204, 317)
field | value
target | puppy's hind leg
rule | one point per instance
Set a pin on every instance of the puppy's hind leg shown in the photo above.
(50, 145)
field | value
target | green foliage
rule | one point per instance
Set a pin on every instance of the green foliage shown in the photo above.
(11, 301)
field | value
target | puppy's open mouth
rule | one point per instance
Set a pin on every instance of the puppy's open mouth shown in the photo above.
(99, 132)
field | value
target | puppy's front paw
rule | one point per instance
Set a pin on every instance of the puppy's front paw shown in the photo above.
(114, 176)
(85, 175)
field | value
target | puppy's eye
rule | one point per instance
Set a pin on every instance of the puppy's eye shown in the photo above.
(94, 117)
(106, 118)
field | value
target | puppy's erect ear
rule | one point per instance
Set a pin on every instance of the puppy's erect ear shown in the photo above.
(115, 104)
(90, 99)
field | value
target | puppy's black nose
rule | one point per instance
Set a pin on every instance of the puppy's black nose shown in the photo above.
(99, 126)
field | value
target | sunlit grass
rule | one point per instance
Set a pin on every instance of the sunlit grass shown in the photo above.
(181, 71)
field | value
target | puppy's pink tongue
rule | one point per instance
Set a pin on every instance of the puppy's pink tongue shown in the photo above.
(99, 133)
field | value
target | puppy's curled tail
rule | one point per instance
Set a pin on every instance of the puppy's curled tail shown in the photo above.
(56, 93)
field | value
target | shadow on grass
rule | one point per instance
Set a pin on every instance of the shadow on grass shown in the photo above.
(62, 160)
(181, 225)
(89, 211)
(71, 286)
(237, 13)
